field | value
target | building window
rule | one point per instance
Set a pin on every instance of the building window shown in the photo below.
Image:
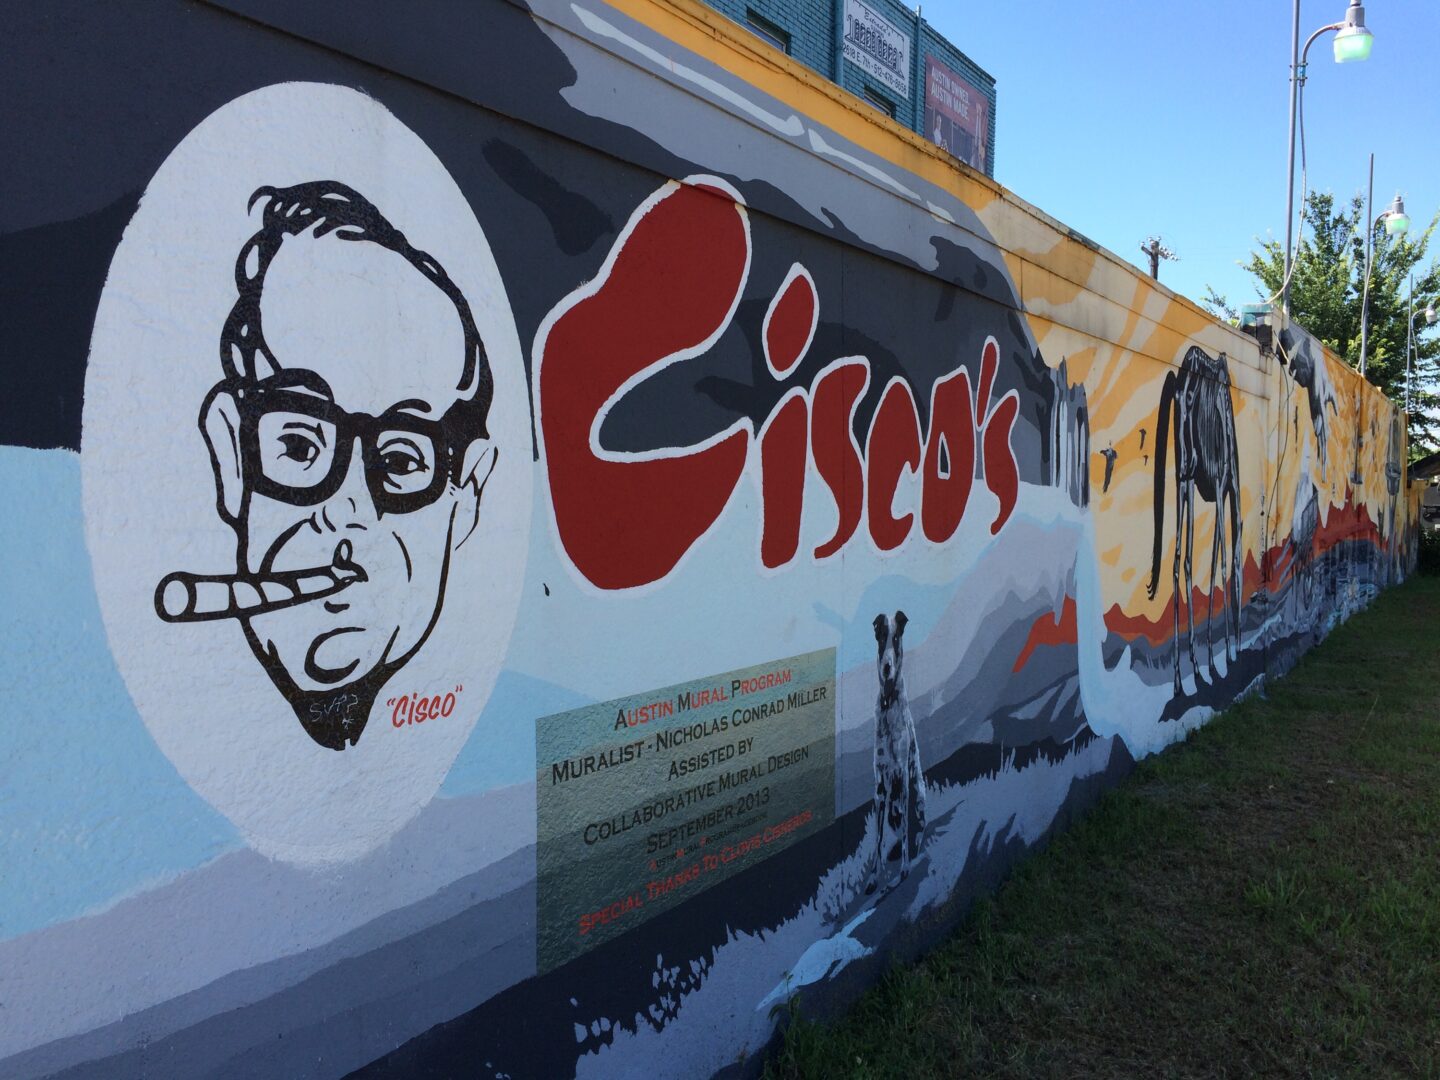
(764, 28)
(880, 101)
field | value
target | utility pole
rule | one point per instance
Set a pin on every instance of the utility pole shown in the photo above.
(1157, 251)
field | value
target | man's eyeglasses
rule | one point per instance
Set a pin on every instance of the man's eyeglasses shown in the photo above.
(296, 447)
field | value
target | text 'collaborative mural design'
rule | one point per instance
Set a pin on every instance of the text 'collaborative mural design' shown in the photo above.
(878, 527)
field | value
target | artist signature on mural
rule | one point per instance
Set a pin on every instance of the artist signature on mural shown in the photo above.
(417, 708)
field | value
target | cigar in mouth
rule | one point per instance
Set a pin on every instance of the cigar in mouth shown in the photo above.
(183, 597)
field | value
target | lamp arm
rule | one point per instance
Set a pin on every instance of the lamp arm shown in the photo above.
(1304, 53)
(1385, 216)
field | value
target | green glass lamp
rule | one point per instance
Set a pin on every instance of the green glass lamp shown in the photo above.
(1353, 41)
(1397, 221)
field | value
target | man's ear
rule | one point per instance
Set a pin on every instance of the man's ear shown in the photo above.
(480, 460)
(220, 424)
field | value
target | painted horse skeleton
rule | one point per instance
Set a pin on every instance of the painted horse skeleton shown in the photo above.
(1197, 398)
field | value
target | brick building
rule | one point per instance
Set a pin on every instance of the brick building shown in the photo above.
(889, 56)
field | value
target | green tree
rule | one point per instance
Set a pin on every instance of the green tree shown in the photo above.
(1326, 287)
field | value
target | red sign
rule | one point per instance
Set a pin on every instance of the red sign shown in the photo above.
(957, 114)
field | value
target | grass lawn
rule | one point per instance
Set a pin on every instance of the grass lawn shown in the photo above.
(1262, 899)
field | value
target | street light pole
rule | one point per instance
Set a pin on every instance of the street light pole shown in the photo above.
(1352, 43)
(1409, 342)
(1412, 343)
(1365, 295)
(1290, 185)
(1396, 224)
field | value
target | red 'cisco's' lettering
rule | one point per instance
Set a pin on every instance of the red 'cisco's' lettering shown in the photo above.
(667, 291)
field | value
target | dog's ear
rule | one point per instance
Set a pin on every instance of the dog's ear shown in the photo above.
(882, 629)
(900, 621)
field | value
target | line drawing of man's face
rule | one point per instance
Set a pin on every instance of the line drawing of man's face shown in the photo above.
(350, 450)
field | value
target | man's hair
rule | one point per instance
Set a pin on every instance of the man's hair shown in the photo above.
(322, 208)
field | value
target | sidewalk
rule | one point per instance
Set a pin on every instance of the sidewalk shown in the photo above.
(1263, 899)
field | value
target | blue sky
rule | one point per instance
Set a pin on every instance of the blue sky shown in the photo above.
(1124, 120)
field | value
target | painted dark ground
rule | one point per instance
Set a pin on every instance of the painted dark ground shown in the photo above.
(521, 1033)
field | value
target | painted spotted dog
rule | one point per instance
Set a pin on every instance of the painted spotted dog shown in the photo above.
(899, 780)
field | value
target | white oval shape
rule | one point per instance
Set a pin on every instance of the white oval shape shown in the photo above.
(224, 696)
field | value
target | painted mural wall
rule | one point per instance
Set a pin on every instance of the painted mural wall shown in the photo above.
(538, 534)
